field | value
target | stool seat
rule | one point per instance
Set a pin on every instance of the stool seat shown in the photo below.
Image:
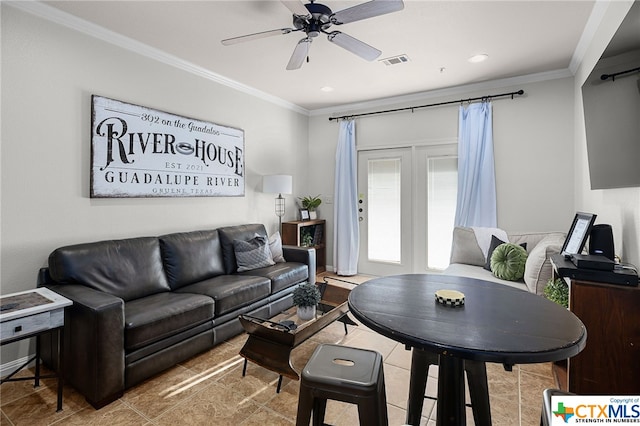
(346, 374)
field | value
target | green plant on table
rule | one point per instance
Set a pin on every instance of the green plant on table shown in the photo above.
(557, 291)
(306, 295)
(310, 203)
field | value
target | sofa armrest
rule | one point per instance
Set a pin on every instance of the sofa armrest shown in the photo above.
(306, 255)
(465, 248)
(93, 343)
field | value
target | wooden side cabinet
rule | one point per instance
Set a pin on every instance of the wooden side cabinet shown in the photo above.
(309, 233)
(610, 363)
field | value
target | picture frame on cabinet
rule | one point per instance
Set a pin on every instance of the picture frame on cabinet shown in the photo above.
(578, 233)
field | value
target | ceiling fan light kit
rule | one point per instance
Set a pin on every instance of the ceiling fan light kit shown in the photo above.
(315, 18)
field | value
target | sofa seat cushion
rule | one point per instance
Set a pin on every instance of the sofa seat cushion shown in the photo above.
(156, 317)
(231, 292)
(282, 275)
(471, 271)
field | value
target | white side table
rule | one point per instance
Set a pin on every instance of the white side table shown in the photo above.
(32, 313)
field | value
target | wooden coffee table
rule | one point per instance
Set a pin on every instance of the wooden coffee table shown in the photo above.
(270, 342)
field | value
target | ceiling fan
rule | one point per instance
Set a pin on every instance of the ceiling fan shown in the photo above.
(315, 18)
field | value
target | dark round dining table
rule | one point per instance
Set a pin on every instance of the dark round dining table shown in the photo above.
(496, 323)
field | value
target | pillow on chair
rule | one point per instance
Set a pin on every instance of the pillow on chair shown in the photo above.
(275, 245)
(508, 261)
(252, 254)
(495, 242)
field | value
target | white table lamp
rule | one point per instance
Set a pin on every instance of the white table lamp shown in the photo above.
(278, 184)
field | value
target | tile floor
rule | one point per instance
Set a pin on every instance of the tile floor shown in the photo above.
(209, 389)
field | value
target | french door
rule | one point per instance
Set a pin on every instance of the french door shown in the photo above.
(406, 206)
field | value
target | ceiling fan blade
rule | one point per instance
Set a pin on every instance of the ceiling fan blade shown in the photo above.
(255, 36)
(354, 45)
(297, 8)
(299, 54)
(366, 10)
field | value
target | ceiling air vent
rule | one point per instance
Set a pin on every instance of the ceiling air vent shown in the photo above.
(395, 60)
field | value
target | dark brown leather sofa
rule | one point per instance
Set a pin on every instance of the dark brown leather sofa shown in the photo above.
(141, 305)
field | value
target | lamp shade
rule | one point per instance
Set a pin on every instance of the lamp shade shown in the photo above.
(277, 184)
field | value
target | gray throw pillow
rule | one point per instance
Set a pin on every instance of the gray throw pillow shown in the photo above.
(252, 254)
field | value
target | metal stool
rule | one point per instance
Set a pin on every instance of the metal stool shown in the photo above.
(346, 374)
(545, 417)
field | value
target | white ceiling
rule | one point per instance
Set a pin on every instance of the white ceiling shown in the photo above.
(520, 37)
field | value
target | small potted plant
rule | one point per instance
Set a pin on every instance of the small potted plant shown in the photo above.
(306, 238)
(311, 203)
(306, 297)
(557, 291)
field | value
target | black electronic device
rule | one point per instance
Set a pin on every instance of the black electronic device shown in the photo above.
(593, 261)
(601, 241)
(566, 268)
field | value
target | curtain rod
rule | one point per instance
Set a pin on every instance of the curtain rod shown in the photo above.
(614, 75)
(459, 101)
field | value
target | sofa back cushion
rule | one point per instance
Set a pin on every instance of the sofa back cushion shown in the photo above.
(128, 269)
(190, 257)
(239, 232)
(534, 238)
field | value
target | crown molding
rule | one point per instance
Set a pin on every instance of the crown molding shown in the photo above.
(73, 22)
(595, 19)
(57, 16)
(448, 91)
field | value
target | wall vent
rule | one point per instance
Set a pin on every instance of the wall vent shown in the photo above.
(395, 60)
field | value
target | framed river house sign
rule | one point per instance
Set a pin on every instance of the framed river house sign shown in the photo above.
(142, 152)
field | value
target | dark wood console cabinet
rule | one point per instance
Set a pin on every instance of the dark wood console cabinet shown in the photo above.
(610, 363)
(293, 233)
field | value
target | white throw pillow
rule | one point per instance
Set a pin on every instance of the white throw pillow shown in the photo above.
(275, 245)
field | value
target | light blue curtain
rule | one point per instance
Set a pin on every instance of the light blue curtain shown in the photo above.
(476, 204)
(346, 237)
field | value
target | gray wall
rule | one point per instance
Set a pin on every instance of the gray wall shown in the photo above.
(49, 73)
(533, 144)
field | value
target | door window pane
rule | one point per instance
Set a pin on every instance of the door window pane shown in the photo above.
(442, 184)
(384, 210)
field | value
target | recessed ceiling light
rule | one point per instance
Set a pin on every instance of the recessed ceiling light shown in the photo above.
(327, 89)
(478, 58)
